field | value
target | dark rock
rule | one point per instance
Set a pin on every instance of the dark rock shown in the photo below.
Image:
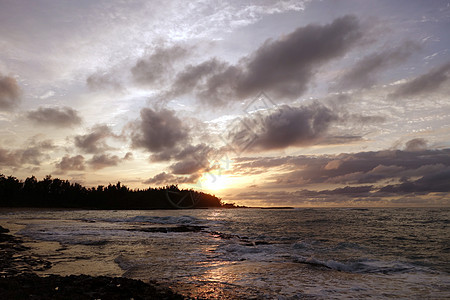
(31, 286)
(18, 281)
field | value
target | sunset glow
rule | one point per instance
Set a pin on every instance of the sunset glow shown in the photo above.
(300, 103)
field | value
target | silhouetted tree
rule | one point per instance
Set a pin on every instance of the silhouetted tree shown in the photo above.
(54, 192)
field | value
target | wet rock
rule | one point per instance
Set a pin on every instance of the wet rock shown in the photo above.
(18, 280)
(31, 286)
(12, 259)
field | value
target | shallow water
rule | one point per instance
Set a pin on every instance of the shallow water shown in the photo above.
(252, 253)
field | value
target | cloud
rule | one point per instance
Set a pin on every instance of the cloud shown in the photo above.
(9, 158)
(416, 144)
(169, 179)
(192, 159)
(67, 163)
(161, 178)
(59, 117)
(100, 161)
(33, 153)
(363, 73)
(282, 67)
(427, 189)
(95, 142)
(128, 156)
(434, 182)
(103, 81)
(190, 164)
(154, 69)
(286, 126)
(285, 66)
(9, 93)
(380, 167)
(159, 131)
(195, 75)
(426, 83)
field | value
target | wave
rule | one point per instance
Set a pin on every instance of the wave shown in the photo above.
(363, 266)
(172, 220)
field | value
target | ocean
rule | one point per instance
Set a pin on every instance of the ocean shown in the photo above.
(318, 253)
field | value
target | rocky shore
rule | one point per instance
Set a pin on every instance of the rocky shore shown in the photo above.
(19, 281)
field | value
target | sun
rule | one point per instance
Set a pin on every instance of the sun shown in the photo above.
(214, 182)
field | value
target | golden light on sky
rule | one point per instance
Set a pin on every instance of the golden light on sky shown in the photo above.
(312, 108)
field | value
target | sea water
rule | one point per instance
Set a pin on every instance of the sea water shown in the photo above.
(334, 253)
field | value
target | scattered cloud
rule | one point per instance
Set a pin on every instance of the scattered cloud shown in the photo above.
(294, 126)
(9, 93)
(195, 75)
(416, 144)
(159, 131)
(364, 73)
(100, 161)
(284, 127)
(157, 67)
(426, 83)
(282, 67)
(95, 142)
(67, 163)
(59, 117)
(104, 81)
(169, 179)
(416, 191)
(161, 179)
(192, 159)
(128, 156)
(34, 153)
(378, 167)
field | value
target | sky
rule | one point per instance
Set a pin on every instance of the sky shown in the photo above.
(262, 103)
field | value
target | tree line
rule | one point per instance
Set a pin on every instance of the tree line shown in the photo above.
(54, 192)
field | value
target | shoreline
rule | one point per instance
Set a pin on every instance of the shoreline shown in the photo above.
(19, 279)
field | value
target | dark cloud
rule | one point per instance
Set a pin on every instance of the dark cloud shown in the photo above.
(169, 179)
(100, 161)
(159, 131)
(59, 117)
(413, 192)
(192, 159)
(34, 153)
(282, 67)
(285, 66)
(380, 167)
(95, 142)
(416, 144)
(9, 158)
(102, 81)
(154, 69)
(67, 163)
(190, 162)
(286, 126)
(435, 182)
(160, 179)
(196, 75)
(128, 156)
(363, 74)
(426, 83)
(9, 93)
(188, 166)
